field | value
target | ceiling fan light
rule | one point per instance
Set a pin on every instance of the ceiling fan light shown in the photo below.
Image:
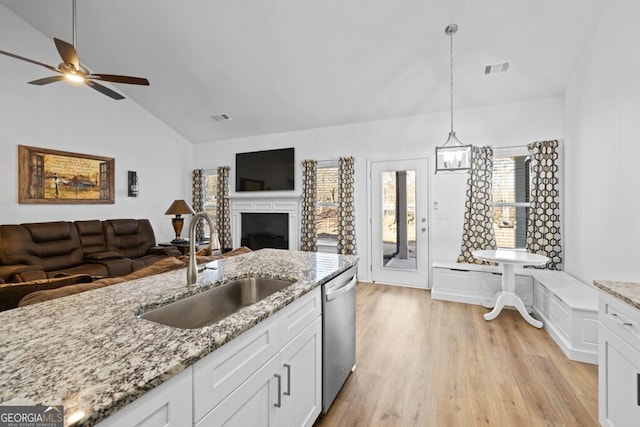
(74, 78)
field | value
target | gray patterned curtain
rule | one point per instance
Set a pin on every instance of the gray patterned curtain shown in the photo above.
(309, 239)
(346, 218)
(223, 215)
(543, 224)
(478, 216)
(197, 199)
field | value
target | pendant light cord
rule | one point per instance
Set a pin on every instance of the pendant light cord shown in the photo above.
(451, 32)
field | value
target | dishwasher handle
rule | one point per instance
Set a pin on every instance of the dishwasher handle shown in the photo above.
(331, 295)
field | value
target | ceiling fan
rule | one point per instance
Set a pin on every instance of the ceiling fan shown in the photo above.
(71, 70)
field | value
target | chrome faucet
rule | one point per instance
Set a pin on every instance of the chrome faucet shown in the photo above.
(214, 243)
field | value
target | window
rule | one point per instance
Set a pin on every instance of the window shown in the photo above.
(210, 191)
(511, 181)
(327, 204)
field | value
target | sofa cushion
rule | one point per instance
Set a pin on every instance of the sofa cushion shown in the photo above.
(123, 227)
(133, 238)
(17, 246)
(167, 264)
(35, 273)
(12, 293)
(103, 256)
(52, 245)
(91, 236)
(49, 231)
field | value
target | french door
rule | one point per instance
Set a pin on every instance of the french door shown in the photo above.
(399, 234)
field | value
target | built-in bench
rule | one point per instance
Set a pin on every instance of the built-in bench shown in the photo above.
(476, 284)
(569, 310)
(567, 307)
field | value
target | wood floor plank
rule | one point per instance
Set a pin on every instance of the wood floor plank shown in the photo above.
(422, 362)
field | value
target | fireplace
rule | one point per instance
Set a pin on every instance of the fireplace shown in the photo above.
(285, 209)
(264, 230)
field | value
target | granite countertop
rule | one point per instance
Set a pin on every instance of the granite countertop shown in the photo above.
(628, 292)
(90, 353)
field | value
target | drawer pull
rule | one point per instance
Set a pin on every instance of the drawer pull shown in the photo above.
(638, 391)
(279, 404)
(621, 320)
(288, 392)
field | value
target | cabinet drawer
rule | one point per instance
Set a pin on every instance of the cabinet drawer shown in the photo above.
(621, 318)
(217, 375)
(295, 317)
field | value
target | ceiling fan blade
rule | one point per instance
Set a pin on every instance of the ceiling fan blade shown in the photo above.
(67, 53)
(22, 58)
(47, 80)
(121, 79)
(104, 90)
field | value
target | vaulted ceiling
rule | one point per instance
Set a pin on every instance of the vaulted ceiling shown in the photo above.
(284, 65)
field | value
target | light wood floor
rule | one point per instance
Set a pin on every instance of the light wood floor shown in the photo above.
(422, 362)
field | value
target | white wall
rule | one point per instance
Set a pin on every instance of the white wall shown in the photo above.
(81, 120)
(602, 129)
(501, 125)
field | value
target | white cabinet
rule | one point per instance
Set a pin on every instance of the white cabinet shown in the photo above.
(220, 373)
(619, 363)
(252, 404)
(168, 405)
(301, 376)
(286, 391)
(269, 376)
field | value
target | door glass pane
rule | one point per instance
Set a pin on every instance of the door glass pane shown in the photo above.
(399, 219)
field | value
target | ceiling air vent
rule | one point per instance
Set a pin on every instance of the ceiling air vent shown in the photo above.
(222, 117)
(502, 67)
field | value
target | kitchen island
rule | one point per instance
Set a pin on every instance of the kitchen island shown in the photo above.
(91, 354)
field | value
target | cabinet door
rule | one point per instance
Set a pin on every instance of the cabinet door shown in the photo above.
(167, 405)
(252, 404)
(619, 376)
(216, 376)
(301, 372)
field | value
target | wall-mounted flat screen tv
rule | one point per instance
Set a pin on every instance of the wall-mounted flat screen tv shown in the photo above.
(270, 170)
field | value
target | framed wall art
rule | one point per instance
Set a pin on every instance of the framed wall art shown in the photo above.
(51, 176)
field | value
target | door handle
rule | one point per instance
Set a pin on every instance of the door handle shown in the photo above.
(288, 392)
(279, 404)
(334, 294)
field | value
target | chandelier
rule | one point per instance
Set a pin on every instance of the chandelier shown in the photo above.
(453, 155)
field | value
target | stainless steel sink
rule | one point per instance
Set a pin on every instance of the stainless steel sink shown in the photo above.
(211, 306)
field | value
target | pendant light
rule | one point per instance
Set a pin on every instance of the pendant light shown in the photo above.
(453, 155)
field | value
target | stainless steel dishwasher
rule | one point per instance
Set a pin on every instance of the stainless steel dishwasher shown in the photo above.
(338, 333)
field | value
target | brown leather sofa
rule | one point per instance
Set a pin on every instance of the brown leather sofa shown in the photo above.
(117, 247)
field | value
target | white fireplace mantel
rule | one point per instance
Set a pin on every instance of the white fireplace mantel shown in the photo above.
(267, 203)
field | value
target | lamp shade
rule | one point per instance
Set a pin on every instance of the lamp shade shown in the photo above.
(179, 207)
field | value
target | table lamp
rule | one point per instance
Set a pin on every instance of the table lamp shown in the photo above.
(177, 208)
